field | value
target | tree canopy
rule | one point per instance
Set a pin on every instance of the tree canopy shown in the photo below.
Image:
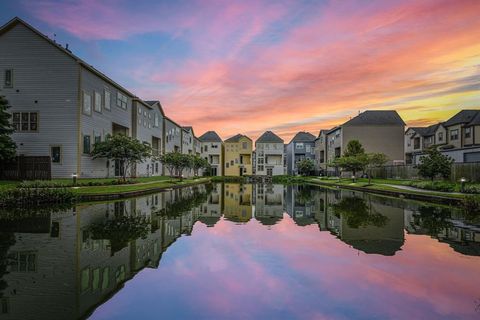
(127, 150)
(305, 166)
(435, 164)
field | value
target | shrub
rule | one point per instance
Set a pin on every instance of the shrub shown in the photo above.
(35, 184)
(471, 188)
(434, 185)
(288, 179)
(471, 205)
(23, 197)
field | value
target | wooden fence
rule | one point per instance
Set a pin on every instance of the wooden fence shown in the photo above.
(470, 171)
(27, 168)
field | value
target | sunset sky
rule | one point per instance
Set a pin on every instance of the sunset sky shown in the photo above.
(250, 66)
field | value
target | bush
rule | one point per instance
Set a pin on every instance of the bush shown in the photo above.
(471, 205)
(39, 184)
(23, 197)
(471, 188)
(288, 179)
(434, 185)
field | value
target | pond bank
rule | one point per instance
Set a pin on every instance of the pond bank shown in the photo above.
(394, 191)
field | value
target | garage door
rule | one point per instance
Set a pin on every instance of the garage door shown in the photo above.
(471, 157)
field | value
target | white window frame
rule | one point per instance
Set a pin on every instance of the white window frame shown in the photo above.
(122, 100)
(107, 100)
(97, 101)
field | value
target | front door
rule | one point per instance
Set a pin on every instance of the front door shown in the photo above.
(214, 171)
(119, 168)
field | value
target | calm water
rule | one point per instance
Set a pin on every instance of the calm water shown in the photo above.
(241, 252)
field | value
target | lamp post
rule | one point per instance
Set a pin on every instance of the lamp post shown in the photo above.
(462, 181)
(353, 178)
(74, 179)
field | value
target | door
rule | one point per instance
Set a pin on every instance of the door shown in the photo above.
(214, 171)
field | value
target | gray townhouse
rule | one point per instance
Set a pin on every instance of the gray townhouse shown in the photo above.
(301, 146)
(173, 136)
(212, 151)
(268, 156)
(458, 138)
(187, 140)
(321, 152)
(147, 125)
(61, 105)
(379, 131)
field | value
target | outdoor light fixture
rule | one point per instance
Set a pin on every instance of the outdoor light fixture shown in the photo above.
(353, 178)
(74, 178)
(462, 181)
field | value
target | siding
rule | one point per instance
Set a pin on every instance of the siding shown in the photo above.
(45, 81)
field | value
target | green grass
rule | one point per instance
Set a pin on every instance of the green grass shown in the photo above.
(166, 183)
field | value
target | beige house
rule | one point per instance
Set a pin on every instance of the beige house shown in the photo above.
(379, 131)
(238, 156)
(212, 150)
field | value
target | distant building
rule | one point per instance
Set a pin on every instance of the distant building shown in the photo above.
(302, 146)
(269, 155)
(458, 138)
(379, 131)
(212, 150)
(238, 156)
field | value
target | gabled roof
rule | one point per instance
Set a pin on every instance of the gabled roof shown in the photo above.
(426, 131)
(210, 136)
(154, 103)
(464, 116)
(269, 136)
(303, 136)
(237, 138)
(376, 118)
(324, 131)
(189, 128)
(15, 21)
(476, 120)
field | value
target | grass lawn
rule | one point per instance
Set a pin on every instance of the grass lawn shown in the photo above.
(163, 183)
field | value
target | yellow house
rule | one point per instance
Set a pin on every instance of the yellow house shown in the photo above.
(238, 156)
(237, 202)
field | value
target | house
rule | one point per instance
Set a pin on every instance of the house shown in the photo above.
(458, 138)
(61, 105)
(269, 203)
(212, 151)
(147, 127)
(418, 139)
(173, 136)
(379, 131)
(238, 202)
(301, 146)
(187, 140)
(269, 155)
(238, 155)
(321, 152)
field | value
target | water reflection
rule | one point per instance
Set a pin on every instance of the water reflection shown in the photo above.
(62, 264)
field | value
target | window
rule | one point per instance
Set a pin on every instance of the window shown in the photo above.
(299, 145)
(97, 101)
(23, 261)
(121, 100)
(56, 154)
(468, 132)
(308, 148)
(8, 81)
(98, 138)
(454, 134)
(105, 278)
(244, 145)
(86, 144)
(226, 165)
(87, 104)
(106, 100)
(25, 121)
(260, 168)
(440, 136)
(85, 279)
(231, 162)
(416, 143)
(156, 121)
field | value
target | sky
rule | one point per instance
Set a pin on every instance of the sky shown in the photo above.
(286, 66)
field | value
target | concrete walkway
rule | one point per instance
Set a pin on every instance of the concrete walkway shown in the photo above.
(408, 188)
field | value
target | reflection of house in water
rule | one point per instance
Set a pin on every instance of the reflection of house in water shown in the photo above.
(441, 224)
(237, 202)
(211, 211)
(299, 203)
(63, 270)
(268, 200)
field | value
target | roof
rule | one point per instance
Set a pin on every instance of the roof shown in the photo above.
(376, 118)
(269, 136)
(237, 138)
(155, 102)
(188, 128)
(426, 131)
(210, 136)
(172, 121)
(303, 136)
(476, 120)
(464, 116)
(15, 21)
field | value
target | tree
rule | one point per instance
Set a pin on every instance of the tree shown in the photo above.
(170, 160)
(7, 146)
(126, 150)
(354, 158)
(435, 164)
(375, 160)
(305, 166)
(199, 163)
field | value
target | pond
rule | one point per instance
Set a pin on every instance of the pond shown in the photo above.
(231, 251)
